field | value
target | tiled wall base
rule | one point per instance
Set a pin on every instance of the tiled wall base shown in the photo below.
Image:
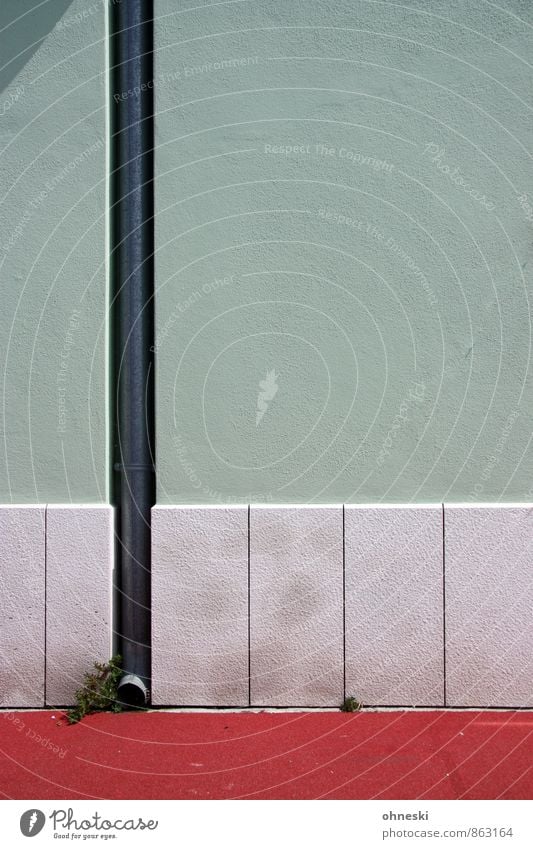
(394, 605)
(200, 605)
(79, 564)
(489, 605)
(296, 606)
(55, 603)
(399, 605)
(22, 575)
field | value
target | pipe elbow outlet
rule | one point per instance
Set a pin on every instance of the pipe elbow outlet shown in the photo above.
(133, 691)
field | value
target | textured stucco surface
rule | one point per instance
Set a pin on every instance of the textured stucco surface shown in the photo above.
(394, 605)
(296, 617)
(22, 606)
(52, 251)
(390, 302)
(79, 570)
(200, 606)
(489, 605)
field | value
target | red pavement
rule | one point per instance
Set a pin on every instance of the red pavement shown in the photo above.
(367, 755)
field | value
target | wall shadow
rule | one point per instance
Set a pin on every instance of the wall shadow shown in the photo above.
(24, 24)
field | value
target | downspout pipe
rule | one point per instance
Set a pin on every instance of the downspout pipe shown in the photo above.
(132, 267)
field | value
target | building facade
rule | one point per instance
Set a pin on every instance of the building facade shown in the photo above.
(342, 352)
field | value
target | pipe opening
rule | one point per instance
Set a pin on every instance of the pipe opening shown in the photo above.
(132, 691)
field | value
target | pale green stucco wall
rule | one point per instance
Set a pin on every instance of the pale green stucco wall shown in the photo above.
(400, 338)
(391, 304)
(52, 251)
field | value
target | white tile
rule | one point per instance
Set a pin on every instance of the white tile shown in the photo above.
(296, 614)
(200, 605)
(489, 605)
(394, 604)
(22, 577)
(79, 564)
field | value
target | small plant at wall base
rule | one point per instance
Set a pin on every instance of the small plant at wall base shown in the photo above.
(351, 705)
(99, 691)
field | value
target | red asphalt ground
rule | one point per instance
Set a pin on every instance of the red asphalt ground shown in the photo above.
(219, 755)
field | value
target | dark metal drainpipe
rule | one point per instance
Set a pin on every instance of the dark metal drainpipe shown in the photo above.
(133, 307)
